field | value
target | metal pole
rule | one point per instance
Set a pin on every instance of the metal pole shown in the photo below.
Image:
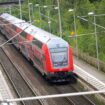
(32, 12)
(75, 33)
(40, 17)
(10, 9)
(29, 12)
(56, 96)
(20, 9)
(60, 25)
(96, 42)
(92, 23)
(95, 26)
(49, 22)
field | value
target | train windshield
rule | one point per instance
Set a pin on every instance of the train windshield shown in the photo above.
(59, 57)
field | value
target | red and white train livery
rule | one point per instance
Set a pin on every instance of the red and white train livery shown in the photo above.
(51, 55)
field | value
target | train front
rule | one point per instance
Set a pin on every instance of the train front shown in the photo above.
(60, 63)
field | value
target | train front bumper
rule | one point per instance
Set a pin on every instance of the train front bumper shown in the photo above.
(60, 76)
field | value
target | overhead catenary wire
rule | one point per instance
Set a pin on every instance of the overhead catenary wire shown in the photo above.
(33, 40)
(86, 34)
(15, 36)
(91, 22)
(47, 17)
(22, 42)
(25, 42)
(53, 96)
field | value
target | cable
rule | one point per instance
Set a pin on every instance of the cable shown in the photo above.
(14, 36)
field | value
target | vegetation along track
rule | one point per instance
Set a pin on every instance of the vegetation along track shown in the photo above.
(19, 83)
(37, 82)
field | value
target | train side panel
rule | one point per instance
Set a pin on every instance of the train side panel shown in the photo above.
(40, 54)
(71, 66)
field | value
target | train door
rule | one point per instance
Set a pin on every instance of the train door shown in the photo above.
(28, 46)
(22, 43)
(30, 51)
(16, 39)
(38, 54)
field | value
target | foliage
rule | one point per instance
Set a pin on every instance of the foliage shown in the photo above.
(86, 43)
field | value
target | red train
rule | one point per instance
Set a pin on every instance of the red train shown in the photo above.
(51, 55)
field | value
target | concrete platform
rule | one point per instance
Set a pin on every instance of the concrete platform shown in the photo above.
(5, 92)
(90, 69)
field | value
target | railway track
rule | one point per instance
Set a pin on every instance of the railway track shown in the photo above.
(18, 82)
(78, 100)
(36, 83)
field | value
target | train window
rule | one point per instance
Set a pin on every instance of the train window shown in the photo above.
(14, 27)
(1, 18)
(59, 57)
(23, 33)
(29, 37)
(6, 22)
(37, 43)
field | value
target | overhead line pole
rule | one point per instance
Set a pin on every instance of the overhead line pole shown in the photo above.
(20, 9)
(76, 35)
(10, 9)
(92, 23)
(60, 24)
(14, 36)
(75, 32)
(49, 22)
(95, 36)
(95, 29)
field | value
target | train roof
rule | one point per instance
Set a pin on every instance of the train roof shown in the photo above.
(36, 32)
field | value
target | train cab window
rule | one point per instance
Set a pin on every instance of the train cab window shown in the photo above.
(59, 57)
(37, 43)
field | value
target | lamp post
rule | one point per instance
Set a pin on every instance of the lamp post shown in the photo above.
(75, 33)
(20, 9)
(29, 4)
(45, 6)
(32, 9)
(48, 16)
(10, 9)
(40, 13)
(60, 24)
(49, 22)
(37, 5)
(96, 37)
